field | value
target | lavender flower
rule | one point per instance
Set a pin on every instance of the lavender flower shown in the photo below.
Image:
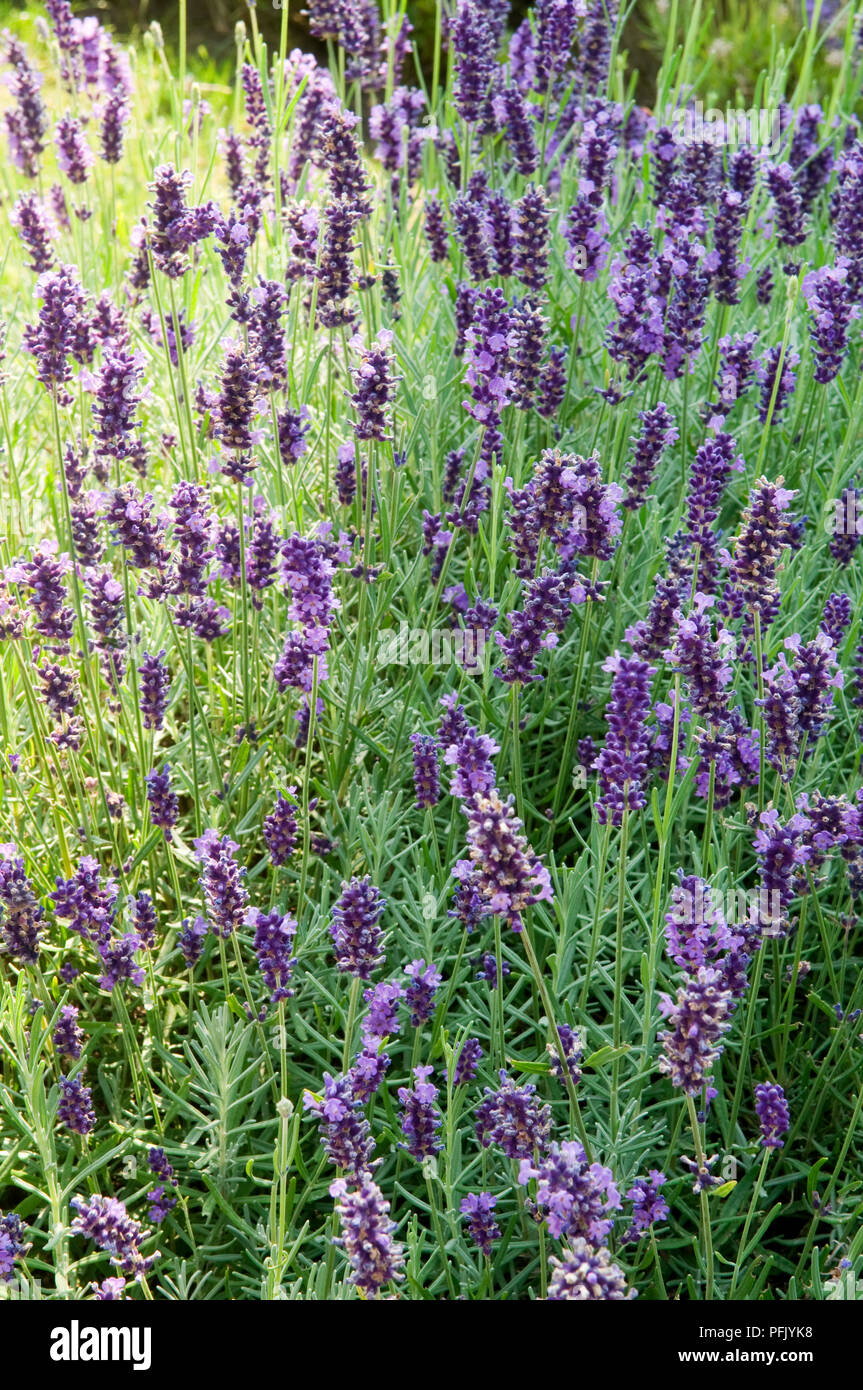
(382, 1019)
(67, 1037)
(420, 993)
(473, 51)
(776, 386)
(572, 1048)
(74, 155)
(61, 330)
(531, 216)
(191, 941)
(344, 1129)
(154, 687)
(164, 806)
(274, 935)
(354, 928)
(367, 1234)
(85, 902)
(105, 1221)
(771, 1108)
(426, 777)
(420, 1119)
(762, 537)
(118, 959)
(280, 830)
(20, 912)
(502, 867)
(12, 1245)
(513, 1118)
(648, 1204)
(790, 228)
(109, 1291)
(478, 1210)
(658, 432)
(622, 763)
(221, 879)
(75, 1107)
(435, 229)
(828, 295)
(467, 1062)
(36, 231)
(577, 1198)
(375, 388)
(700, 1014)
(586, 1273)
(144, 920)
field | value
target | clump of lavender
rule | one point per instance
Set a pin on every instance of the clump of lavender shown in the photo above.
(420, 1118)
(106, 1222)
(478, 1210)
(274, 936)
(75, 1107)
(367, 1234)
(771, 1107)
(623, 761)
(584, 1273)
(420, 993)
(221, 879)
(513, 1118)
(354, 928)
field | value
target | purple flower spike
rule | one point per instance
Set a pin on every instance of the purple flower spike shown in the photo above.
(354, 928)
(478, 1210)
(771, 1108)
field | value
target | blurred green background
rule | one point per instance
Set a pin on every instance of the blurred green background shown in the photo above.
(735, 38)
